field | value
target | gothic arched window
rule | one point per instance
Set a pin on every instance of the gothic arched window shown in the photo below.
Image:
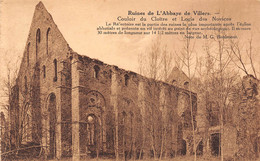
(126, 79)
(47, 41)
(25, 84)
(38, 36)
(38, 40)
(55, 70)
(96, 71)
(44, 71)
(28, 54)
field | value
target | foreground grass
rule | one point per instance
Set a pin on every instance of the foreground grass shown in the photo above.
(185, 158)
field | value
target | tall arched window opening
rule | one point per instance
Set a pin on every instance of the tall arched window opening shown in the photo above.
(27, 127)
(38, 40)
(47, 40)
(44, 71)
(28, 54)
(25, 84)
(55, 70)
(126, 79)
(38, 36)
(96, 71)
(52, 125)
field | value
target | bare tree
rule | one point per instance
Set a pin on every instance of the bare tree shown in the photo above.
(150, 61)
(7, 84)
(219, 81)
(157, 64)
(239, 55)
(167, 63)
(149, 66)
(18, 105)
(187, 56)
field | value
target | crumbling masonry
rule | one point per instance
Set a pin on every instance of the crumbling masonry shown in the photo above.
(82, 107)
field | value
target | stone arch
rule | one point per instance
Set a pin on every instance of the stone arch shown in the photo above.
(44, 71)
(25, 85)
(28, 53)
(38, 36)
(96, 71)
(186, 84)
(98, 103)
(52, 121)
(47, 40)
(93, 104)
(49, 125)
(38, 40)
(126, 79)
(55, 70)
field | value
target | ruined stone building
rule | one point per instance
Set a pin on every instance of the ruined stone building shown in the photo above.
(248, 122)
(75, 106)
(70, 105)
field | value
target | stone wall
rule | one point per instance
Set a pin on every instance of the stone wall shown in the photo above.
(38, 78)
(84, 107)
(248, 120)
(134, 102)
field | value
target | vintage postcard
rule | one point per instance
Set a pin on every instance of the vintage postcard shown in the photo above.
(130, 80)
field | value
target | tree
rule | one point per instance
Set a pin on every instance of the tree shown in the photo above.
(18, 104)
(242, 56)
(187, 55)
(219, 79)
(156, 63)
(7, 84)
(219, 83)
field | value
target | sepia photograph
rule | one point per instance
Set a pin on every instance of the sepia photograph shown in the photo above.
(133, 80)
